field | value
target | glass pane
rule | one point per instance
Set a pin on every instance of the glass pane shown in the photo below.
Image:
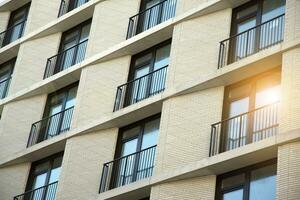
(126, 165)
(144, 59)
(71, 98)
(39, 181)
(54, 175)
(247, 11)
(245, 42)
(272, 9)
(130, 133)
(150, 134)
(237, 126)
(151, 17)
(233, 181)
(85, 32)
(162, 57)
(139, 87)
(234, 195)
(268, 96)
(263, 183)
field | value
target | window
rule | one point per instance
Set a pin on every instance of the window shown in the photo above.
(152, 13)
(57, 115)
(6, 70)
(266, 13)
(73, 44)
(44, 173)
(59, 111)
(256, 182)
(251, 109)
(71, 51)
(137, 144)
(67, 6)
(16, 24)
(149, 69)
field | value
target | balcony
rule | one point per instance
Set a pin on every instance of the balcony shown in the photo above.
(4, 85)
(65, 59)
(251, 41)
(68, 5)
(50, 127)
(128, 169)
(12, 34)
(244, 129)
(141, 88)
(46, 192)
(151, 17)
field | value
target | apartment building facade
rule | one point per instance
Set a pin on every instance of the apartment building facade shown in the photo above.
(150, 99)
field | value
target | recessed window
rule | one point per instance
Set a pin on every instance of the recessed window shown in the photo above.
(256, 182)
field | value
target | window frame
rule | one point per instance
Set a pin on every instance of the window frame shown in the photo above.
(246, 185)
(141, 123)
(32, 175)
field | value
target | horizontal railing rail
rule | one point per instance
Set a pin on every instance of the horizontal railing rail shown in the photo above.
(243, 129)
(141, 88)
(128, 169)
(65, 6)
(12, 33)
(151, 17)
(65, 59)
(46, 192)
(50, 126)
(4, 86)
(251, 41)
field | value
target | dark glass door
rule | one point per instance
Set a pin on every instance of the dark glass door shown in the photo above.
(73, 46)
(16, 24)
(58, 112)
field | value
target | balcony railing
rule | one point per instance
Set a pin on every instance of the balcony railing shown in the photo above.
(68, 5)
(4, 85)
(65, 59)
(151, 17)
(50, 127)
(141, 88)
(251, 41)
(12, 34)
(128, 169)
(244, 129)
(46, 192)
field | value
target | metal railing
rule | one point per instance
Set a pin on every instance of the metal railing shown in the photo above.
(12, 33)
(50, 127)
(4, 85)
(128, 169)
(244, 129)
(46, 192)
(140, 88)
(151, 17)
(251, 41)
(65, 59)
(68, 5)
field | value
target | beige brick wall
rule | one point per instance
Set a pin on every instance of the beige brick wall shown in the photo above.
(82, 164)
(31, 63)
(290, 107)
(13, 180)
(4, 17)
(17, 118)
(39, 16)
(183, 6)
(292, 25)
(195, 47)
(185, 128)
(199, 188)
(97, 89)
(110, 23)
(288, 172)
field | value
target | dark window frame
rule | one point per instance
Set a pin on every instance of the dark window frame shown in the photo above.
(32, 175)
(10, 23)
(246, 185)
(141, 123)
